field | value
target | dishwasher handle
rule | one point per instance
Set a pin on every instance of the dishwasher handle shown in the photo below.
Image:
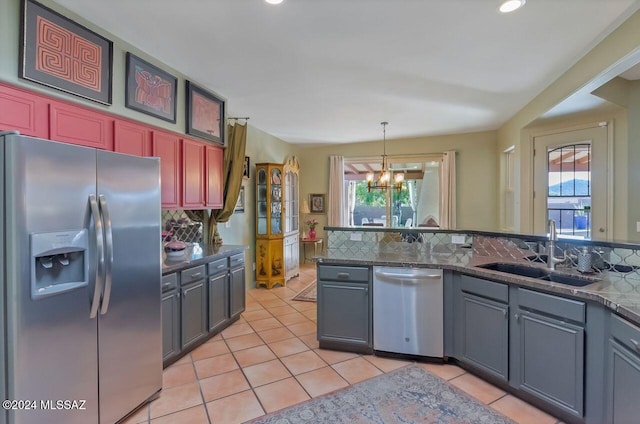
(400, 276)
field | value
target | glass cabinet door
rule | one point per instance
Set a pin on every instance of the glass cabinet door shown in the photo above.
(287, 202)
(276, 201)
(294, 201)
(261, 197)
(290, 201)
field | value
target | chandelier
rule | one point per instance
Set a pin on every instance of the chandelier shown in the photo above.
(383, 182)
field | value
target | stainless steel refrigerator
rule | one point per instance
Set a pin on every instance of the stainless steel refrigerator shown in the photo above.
(81, 284)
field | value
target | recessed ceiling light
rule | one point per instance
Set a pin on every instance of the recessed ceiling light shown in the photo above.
(273, 1)
(510, 5)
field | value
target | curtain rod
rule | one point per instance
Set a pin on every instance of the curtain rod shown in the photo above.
(246, 118)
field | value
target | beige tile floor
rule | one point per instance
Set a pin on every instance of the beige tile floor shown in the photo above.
(270, 359)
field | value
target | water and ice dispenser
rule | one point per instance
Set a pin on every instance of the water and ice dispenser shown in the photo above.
(59, 262)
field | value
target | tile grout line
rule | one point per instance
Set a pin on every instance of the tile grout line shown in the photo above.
(264, 410)
(204, 402)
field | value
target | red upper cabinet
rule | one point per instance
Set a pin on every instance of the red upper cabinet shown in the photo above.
(193, 174)
(132, 139)
(167, 147)
(77, 125)
(214, 187)
(24, 112)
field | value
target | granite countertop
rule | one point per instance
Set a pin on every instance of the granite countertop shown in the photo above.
(197, 254)
(618, 292)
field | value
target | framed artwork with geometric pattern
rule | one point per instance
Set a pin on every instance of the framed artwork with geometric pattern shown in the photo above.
(60, 53)
(149, 89)
(205, 114)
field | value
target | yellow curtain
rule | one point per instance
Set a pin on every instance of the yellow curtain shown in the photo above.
(233, 165)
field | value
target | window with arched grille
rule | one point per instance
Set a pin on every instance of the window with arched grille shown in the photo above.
(569, 193)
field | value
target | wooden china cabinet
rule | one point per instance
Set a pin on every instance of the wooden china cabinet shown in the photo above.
(277, 222)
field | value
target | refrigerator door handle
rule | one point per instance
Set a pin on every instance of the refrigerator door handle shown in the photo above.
(104, 209)
(99, 275)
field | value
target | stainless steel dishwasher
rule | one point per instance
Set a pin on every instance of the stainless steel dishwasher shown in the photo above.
(408, 311)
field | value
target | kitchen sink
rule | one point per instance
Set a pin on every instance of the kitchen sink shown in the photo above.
(572, 280)
(523, 270)
(539, 273)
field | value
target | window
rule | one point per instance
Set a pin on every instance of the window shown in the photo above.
(569, 193)
(417, 204)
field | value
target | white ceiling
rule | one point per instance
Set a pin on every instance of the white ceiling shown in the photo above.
(329, 71)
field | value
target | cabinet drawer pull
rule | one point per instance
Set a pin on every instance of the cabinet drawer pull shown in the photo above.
(197, 274)
(166, 285)
(344, 275)
(189, 290)
(517, 317)
(635, 344)
(221, 266)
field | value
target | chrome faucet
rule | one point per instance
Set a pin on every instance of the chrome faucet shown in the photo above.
(551, 247)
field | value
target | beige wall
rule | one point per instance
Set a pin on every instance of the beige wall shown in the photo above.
(611, 56)
(632, 194)
(476, 170)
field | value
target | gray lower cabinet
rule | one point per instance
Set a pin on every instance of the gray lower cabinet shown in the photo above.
(200, 301)
(344, 308)
(623, 388)
(485, 334)
(170, 317)
(193, 312)
(482, 332)
(237, 285)
(218, 304)
(547, 349)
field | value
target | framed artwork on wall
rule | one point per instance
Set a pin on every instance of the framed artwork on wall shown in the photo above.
(62, 54)
(240, 203)
(149, 89)
(205, 114)
(246, 171)
(316, 203)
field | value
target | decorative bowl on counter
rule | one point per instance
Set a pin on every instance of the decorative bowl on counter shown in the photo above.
(175, 248)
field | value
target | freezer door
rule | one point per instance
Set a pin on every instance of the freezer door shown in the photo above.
(51, 340)
(130, 339)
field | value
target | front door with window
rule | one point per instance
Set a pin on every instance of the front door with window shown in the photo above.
(570, 182)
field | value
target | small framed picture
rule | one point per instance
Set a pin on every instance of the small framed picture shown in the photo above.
(150, 90)
(316, 203)
(205, 114)
(240, 203)
(246, 172)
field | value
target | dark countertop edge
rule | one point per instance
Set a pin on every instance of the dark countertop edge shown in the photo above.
(527, 237)
(549, 287)
(210, 253)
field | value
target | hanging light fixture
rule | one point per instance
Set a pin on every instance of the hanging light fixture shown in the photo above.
(383, 182)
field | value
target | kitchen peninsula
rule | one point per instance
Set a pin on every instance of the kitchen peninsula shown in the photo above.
(544, 341)
(203, 292)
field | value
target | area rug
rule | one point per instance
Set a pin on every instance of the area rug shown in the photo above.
(407, 395)
(307, 294)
